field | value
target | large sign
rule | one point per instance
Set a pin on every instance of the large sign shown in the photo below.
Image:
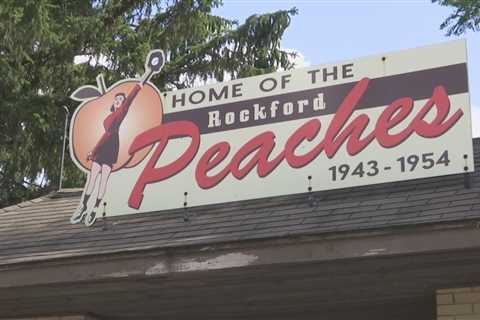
(384, 118)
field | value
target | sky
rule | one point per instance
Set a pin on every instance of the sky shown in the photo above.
(326, 31)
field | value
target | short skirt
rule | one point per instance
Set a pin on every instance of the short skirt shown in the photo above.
(107, 153)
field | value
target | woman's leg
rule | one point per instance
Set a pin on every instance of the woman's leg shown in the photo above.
(94, 172)
(80, 212)
(106, 170)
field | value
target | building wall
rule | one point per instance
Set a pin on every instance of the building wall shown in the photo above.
(458, 304)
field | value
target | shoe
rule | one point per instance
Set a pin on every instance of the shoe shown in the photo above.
(78, 215)
(90, 218)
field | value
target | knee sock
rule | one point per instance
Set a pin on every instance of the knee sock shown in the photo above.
(85, 200)
(97, 203)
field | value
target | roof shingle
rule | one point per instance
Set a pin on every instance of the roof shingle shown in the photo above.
(39, 229)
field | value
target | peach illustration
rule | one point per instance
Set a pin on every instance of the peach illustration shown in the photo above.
(87, 128)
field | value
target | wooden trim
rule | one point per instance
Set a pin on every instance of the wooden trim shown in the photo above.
(158, 263)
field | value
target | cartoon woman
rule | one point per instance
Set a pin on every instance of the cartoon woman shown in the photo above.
(105, 154)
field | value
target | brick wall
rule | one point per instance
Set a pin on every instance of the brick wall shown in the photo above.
(458, 304)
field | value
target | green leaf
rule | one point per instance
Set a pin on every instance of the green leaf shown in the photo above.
(39, 40)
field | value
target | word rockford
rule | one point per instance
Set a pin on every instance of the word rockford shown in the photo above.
(257, 112)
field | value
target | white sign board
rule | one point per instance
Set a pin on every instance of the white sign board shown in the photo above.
(383, 118)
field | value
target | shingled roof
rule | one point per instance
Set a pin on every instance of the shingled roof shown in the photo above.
(40, 229)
